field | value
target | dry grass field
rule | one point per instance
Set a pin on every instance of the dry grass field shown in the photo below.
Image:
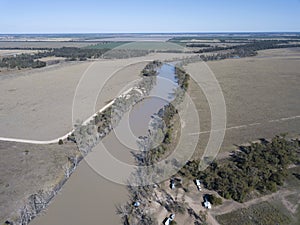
(26, 169)
(5, 53)
(262, 213)
(37, 104)
(261, 95)
(41, 44)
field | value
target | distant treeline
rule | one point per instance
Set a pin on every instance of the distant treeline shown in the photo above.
(31, 60)
(244, 50)
(21, 61)
(260, 166)
(197, 45)
(73, 53)
(241, 38)
(254, 46)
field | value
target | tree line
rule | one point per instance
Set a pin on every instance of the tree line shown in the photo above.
(32, 60)
(21, 61)
(244, 50)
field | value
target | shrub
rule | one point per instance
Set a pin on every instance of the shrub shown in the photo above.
(213, 199)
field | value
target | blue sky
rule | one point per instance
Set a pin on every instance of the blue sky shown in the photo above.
(138, 16)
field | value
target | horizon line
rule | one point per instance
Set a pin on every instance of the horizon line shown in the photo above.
(176, 32)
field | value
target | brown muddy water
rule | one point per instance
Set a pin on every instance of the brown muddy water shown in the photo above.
(88, 197)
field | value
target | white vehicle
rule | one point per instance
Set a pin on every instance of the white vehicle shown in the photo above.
(169, 219)
(172, 184)
(207, 204)
(136, 204)
(198, 183)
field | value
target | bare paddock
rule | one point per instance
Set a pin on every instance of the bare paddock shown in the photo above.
(261, 95)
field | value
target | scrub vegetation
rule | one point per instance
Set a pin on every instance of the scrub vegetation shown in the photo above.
(260, 166)
(262, 213)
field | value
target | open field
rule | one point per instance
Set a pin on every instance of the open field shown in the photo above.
(107, 45)
(27, 169)
(261, 95)
(262, 213)
(137, 38)
(42, 44)
(5, 53)
(152, 45)
(51, 58)
(290, 53)
(41, 101)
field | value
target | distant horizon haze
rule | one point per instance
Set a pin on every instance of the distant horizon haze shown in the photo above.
(135, 16)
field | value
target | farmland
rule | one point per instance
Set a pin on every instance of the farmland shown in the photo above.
(261, 95)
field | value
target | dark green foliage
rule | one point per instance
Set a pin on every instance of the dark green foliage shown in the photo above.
(213, 199)
(260, 166)
(297, 175)
(183, 78)
(151, 68)
(73, 53)
(190, 168)
(31, 60)
(244, 50)
(154, 155)
(197, 45)
(21, 61)
(60, 142)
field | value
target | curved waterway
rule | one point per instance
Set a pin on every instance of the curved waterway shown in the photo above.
(89, 198)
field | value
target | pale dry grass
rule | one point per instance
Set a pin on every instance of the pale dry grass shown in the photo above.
(6, 53)
(258, 91)
(51, 58)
